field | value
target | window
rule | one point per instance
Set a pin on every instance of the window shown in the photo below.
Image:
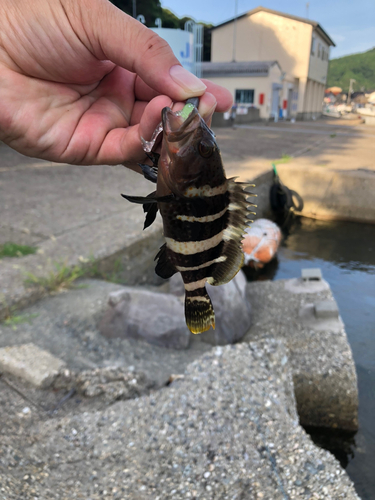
(313, 43)
(244, 96)
(319, 49)
(323, 53)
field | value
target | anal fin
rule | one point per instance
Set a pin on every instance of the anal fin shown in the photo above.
(164, 267)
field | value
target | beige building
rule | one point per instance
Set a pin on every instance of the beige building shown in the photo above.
(292, 53)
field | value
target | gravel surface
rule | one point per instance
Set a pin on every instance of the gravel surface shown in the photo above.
(227, 430)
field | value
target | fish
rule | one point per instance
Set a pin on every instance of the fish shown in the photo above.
(204, 214)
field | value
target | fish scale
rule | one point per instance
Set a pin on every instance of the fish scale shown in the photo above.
(204, 214)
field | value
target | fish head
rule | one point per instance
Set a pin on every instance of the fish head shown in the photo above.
(189, 150)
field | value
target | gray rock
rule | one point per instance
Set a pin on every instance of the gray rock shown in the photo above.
(322, 364)
(141, 314)
(232, 309)
(227, 430)
(34, 365)
(109, 383)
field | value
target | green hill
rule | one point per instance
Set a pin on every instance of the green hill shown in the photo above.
(361, 67)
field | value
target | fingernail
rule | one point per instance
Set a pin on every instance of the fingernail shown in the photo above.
(189, 82)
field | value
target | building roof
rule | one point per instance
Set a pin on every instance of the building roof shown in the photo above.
(314, 24)
(245, 68)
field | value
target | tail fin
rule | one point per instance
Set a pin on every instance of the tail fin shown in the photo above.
(199, 312)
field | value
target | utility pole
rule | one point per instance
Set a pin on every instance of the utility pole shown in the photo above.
(235, 29)
(350, 89)
(307, 9)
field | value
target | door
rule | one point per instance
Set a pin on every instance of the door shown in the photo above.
(275, 103)
(290, 97)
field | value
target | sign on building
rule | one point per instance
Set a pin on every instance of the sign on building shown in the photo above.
(182, 44)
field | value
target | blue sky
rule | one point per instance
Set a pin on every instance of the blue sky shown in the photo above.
(351, 24)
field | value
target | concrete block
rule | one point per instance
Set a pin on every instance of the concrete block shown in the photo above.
(321, 361)
(32, 364)
(326, 309)
(313, 274)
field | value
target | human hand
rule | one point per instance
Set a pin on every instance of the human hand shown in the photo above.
(81, 81)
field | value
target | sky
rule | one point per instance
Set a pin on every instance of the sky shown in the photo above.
(350, 24)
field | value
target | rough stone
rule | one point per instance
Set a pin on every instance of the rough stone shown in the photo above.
(228, 429)
(141, 314)
(32, 364)
(109, 383)
(232, 309)
(322, 364)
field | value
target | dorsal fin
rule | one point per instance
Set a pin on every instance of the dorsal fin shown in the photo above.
(232, 254)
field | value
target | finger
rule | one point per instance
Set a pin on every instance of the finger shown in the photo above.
(124, 144)
(113, 35)
(142, 91)
(223, 96)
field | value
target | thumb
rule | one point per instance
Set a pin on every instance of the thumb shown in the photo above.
(115, 36)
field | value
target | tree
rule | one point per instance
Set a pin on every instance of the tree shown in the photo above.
(150, 9)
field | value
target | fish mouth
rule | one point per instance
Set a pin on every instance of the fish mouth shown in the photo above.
(176, 128)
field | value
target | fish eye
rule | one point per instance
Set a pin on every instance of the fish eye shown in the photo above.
(205, 150)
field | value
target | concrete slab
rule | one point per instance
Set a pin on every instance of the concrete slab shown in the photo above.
(34, 365)
(72, 224)
(324, 375)
(227, 429)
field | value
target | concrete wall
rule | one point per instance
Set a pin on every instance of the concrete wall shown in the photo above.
(260, 84)
(252, 116)
(266, 37)
(332, 194)
(318, 67)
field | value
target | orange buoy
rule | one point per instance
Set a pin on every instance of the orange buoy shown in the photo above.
(261, 242)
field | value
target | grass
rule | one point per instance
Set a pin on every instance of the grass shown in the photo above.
(62, 277)
(332, 136)
(17, 319)
(12, 319)
(10, 249)
(283, 159)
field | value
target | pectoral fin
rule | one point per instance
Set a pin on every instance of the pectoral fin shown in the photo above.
(149, 173)
(150, 211)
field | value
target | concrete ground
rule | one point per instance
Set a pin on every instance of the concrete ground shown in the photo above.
(73, 213)
(249, 150)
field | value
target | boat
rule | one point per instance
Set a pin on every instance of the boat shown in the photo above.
(261, 243)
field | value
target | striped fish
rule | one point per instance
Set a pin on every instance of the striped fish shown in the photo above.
(204, 213)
